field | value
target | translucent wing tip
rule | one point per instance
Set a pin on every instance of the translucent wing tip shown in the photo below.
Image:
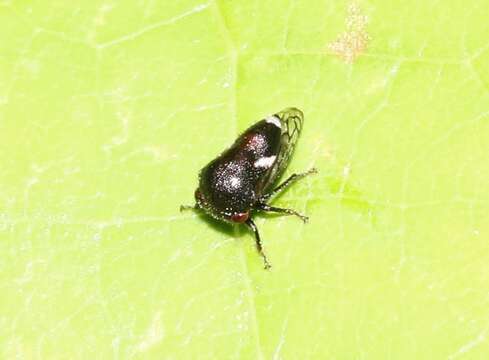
(293, 118)
(291, 112)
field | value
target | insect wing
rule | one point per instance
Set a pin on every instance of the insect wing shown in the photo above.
(291, 121)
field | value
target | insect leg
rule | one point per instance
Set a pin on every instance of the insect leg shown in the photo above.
(189, 207)
(290, 180)
(253, 227)
(268, 208)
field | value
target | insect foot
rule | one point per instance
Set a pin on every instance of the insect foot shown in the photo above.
(186, 207)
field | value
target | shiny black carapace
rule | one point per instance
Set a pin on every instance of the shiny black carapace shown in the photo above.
(242, 179)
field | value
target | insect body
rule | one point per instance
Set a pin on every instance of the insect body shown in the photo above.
(242, 179)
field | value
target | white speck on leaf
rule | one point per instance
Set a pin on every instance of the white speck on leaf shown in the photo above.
(154, 334)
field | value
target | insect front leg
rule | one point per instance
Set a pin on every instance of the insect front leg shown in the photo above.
(189, 207)
(268, 208)
(253, 227)
(290, 180)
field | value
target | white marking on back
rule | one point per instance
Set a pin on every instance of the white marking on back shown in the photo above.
(265, 162)
(235, 182)
(274, 120)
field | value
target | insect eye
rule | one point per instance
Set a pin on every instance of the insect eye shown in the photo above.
(240, 217)
(198, 196)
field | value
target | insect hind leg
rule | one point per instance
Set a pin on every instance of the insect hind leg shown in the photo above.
(289, 181)
(268, 208)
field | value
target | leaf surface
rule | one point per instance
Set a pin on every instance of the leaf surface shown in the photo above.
(109, 109)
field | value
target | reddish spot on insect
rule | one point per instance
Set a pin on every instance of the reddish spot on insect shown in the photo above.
(240, 217)
(254, 142)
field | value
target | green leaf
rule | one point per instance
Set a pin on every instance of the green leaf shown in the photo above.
(109, 109)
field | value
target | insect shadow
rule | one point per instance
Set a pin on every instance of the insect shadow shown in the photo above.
(221, 226)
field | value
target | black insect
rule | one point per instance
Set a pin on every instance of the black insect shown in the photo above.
(242, 179)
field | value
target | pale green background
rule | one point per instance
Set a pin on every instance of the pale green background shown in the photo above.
(109, 109)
